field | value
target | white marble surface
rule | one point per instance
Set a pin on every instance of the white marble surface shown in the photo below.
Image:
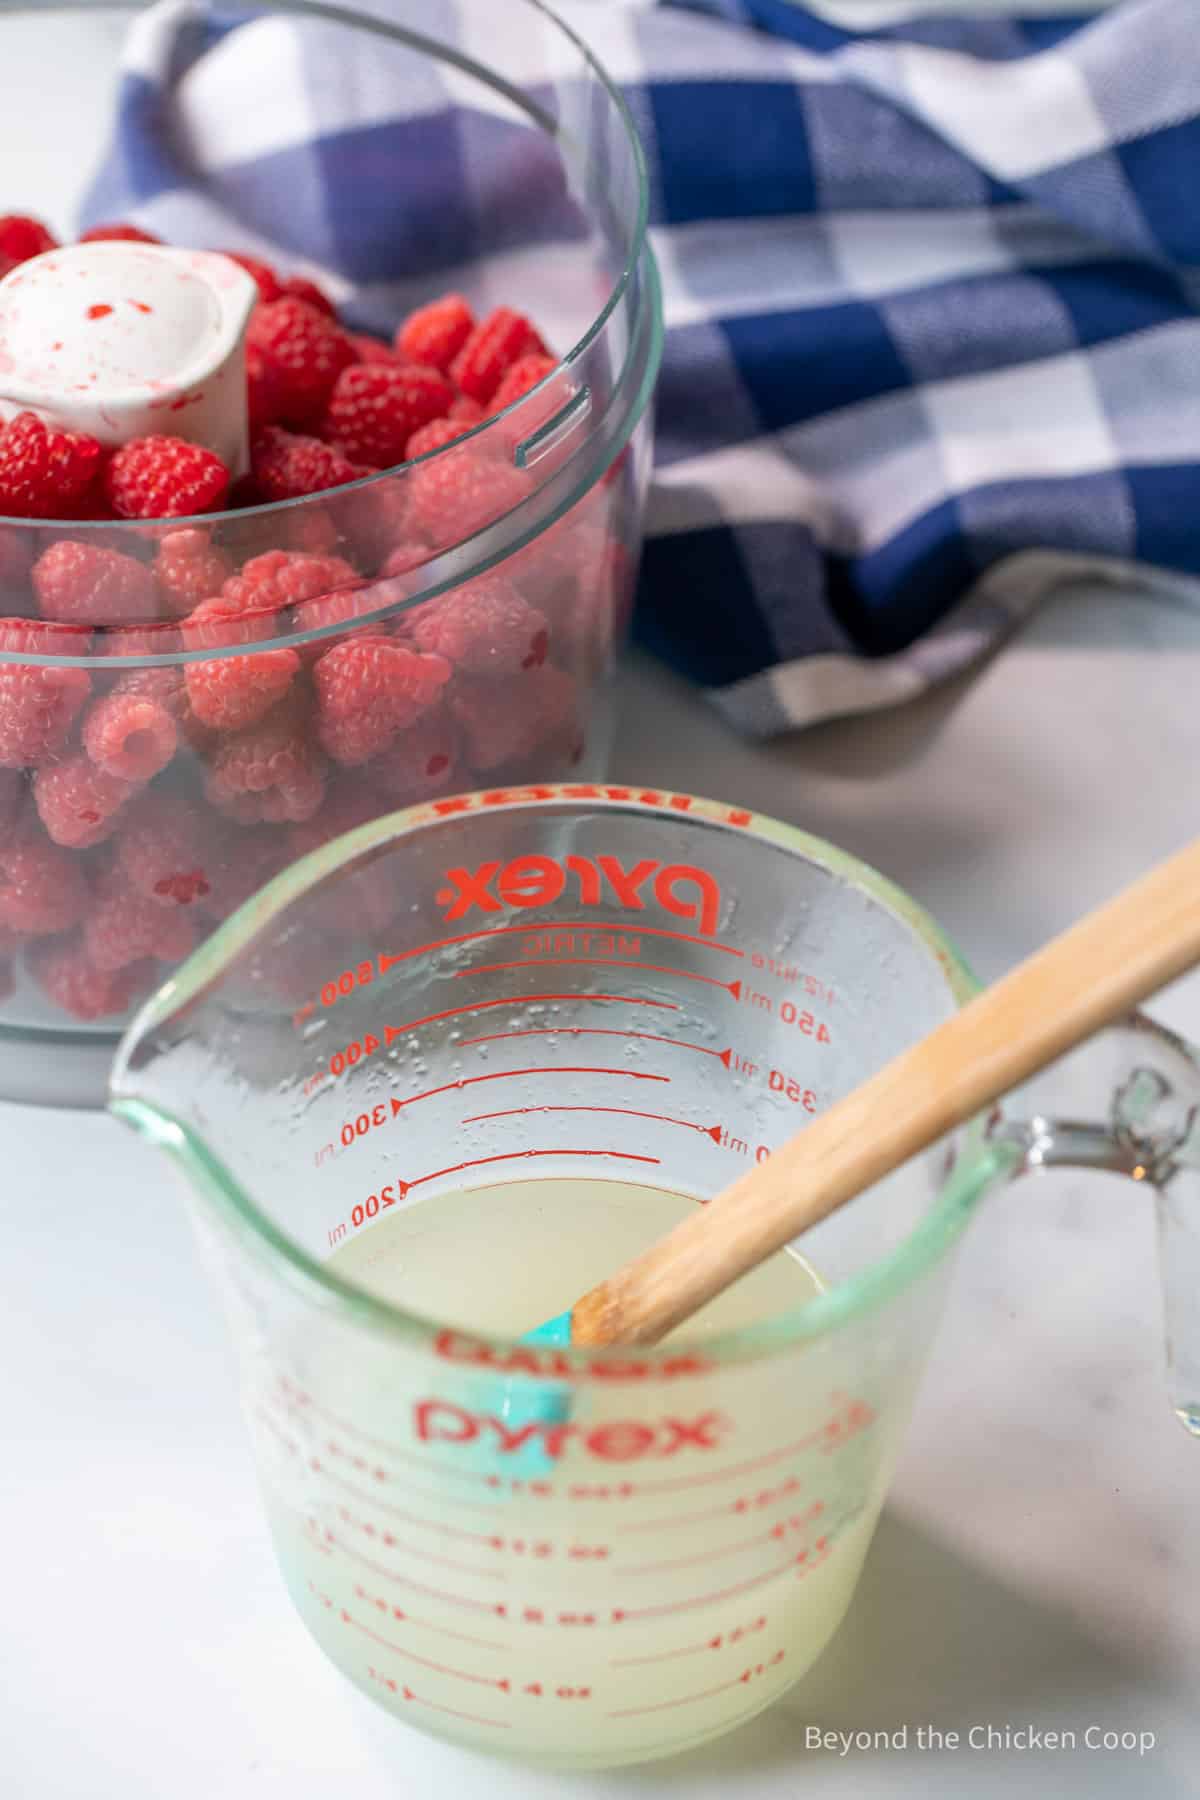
(1038, 1564)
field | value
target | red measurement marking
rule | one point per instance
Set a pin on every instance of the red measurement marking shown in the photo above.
(388, 1540)
(387, 961)
(466, 1081)
(406, 1618)
(453, 1711)
(491, 1681)
(478, 1162)
(602, 962)
(706, 1556)
(742, 1587)
(745, 1504)
(391, 1032)
(650, 1037)
(630, 1712)
(627, 1112)
(722, 1640)
(467, 1601)
(399, 1512)
(759, 1462)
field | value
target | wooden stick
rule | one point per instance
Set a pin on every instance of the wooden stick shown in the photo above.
(1082, 981)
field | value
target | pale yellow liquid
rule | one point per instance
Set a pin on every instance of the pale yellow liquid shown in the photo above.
(695, 1614)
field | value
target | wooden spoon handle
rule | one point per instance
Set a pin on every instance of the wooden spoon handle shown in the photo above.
(1083, 980)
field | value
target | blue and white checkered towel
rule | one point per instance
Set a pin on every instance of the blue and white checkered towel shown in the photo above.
(931, 296)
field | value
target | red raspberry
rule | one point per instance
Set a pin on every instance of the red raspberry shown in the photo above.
(86, 585)
(343, 608)
(454, 495)
(242, 862)
(496, 343)
(310, 530)
(435, 334)
(420, 760)
(501, 721)
(131, 736)
(229, 693)
(188, 569)
(20, 238)
(300, 288)
(16, 556)
(263, 402)
(286, 466)
(161, 639)
(368, 689)
(165, 851)
(119, 233)
(307, 351)
(124, 927)
(434, 436)
(401, 559)
(374, 410)
(483, 627)
(67, 976)
(164, 478)
(270, 773)
(44, 472)
(261, 273)
(38, 703)
(285, 578)
(521, 377)
(374, 350)
(466, 410)
(42, 889)
(78, 803)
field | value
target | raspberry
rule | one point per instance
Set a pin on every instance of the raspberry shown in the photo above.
(119, 233)
(374, 410)
(20, 238)
(124, 927)
(434, 436)
(300, 288)
(12, 795)
(16, 555)
(78, 803)
(263, 394)
(164, 478)
(307, 352)
(496, 343)
(42, 889)
(38, 703)
(401, 558)
(270, 773)
(420, 760)
(286, 466)
(309, 529)
(483, 627)
(165, 851)
(466, 410)
(241, 864)
(131, 736)
(342, 608)
(362, 900)
(84, 584)
(230, 692)
(503, 720)
(368, 689)
(188, 569)
(453, 496)
(160, 639)
(286, 577)
(261, 273)
(435, 334)
(67, 976)
(520, 378)
(44, 472)
(374, 350)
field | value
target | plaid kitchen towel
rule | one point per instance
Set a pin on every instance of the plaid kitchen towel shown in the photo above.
(930, 291)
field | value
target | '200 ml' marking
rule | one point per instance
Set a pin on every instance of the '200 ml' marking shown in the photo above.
(679, 888)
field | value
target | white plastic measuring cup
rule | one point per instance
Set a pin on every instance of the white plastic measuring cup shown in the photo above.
(565, 982)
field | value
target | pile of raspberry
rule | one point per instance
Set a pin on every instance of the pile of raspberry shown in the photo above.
(139, 807)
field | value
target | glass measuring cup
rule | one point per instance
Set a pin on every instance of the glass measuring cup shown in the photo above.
(493, 985)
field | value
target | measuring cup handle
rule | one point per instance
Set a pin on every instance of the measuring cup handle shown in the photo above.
(1129, 1103)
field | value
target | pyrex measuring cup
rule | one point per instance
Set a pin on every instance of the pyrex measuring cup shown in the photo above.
(562, 981)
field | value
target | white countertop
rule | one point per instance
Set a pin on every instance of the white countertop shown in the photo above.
(1038, 1564)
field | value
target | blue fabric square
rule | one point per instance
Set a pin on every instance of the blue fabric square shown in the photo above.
(763, 168)
(1162, 170)
(796, 365)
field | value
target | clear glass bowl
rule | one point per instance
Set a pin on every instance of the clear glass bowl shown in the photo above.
(549, 494)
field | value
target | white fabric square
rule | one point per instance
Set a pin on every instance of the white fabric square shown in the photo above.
(247, 98)
(1044, 418)
(1015, 119)
(886, 252)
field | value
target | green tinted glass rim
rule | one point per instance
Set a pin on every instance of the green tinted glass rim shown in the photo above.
(977, 1166)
